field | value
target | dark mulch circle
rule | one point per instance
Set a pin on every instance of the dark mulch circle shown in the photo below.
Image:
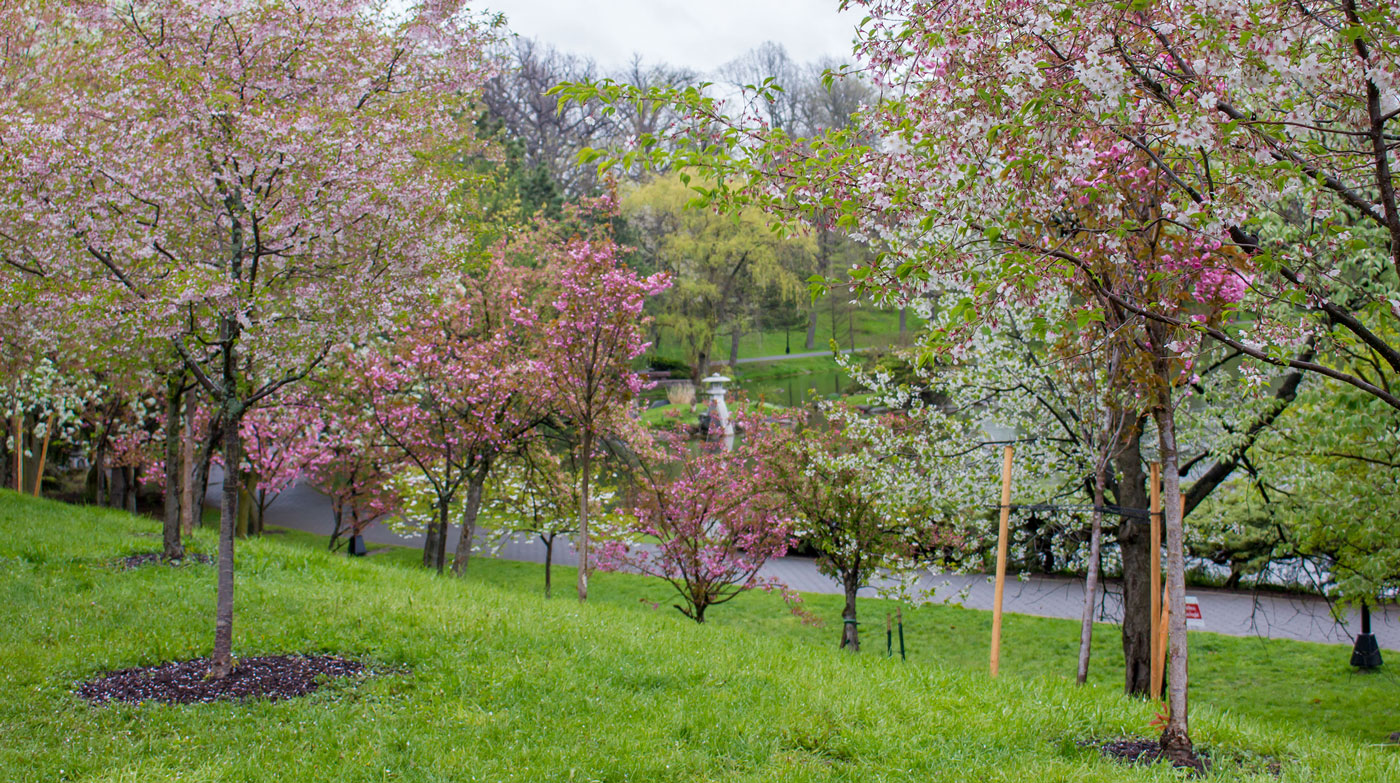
(272, 677)
(1138, 750)
(155, 558)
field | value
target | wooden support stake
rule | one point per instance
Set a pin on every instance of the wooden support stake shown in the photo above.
(43, 454)
(1159, 645)
(1001, 558)
(1154, 567)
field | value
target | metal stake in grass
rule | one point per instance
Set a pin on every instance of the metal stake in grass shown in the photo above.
(899, 616)
(889, 636)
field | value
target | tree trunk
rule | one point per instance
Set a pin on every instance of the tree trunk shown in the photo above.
(176, 480)
(129, 498)
(222, 659)
(733, 349)
(243, 522)
(903, 322)
(116, 488)
(440, 555)
(5, 479)
(99, 469)
(1176, 737)
(202, 467)
(548, 563)
(811, 342)
(1134, 546)
(469, 514)
(850, 634)
(188, 510)
(337, 514)
(1091, 580)
(430, 541)
(585, 462)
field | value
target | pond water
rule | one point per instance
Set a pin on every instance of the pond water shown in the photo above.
(793, 390)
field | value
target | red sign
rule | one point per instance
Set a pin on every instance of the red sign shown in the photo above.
(1194, 618)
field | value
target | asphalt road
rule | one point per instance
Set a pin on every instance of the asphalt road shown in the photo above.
(1234, 612)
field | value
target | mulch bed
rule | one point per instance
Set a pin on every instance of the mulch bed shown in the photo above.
(272, 677)
(155, 558)
(1137, 750)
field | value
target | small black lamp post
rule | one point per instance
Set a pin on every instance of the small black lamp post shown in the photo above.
(1366, 654)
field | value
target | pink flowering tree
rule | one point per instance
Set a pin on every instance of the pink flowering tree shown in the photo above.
(593, 331)
(456, 390)
(256, 178)
(353, 466)
(711, 521)
(1188, 171)
(281, 444)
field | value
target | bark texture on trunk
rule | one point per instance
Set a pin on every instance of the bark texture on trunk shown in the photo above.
(222, 658)
(585, 463)
(850, 633)
(430, 541)
(469, 515)
(202, 467)
(1176, 737)
(188, 510)
(1091, 580)
(1134, 546)
(175, 480)
(129, 499)
(733, 349)
(548, 563)
(440, 545)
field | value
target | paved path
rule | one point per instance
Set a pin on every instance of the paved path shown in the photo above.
(1238, 613)
(778, 357)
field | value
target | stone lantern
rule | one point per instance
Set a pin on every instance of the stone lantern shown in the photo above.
(720, 422)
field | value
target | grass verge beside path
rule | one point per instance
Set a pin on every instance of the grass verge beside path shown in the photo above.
(1277, 681)
(488, 681)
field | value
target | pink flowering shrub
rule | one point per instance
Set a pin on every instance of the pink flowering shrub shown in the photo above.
(713, 522)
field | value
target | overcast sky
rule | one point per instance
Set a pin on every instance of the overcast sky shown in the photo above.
(700, 34)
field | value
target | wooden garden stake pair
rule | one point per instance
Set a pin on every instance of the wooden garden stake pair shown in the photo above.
(1001, 558)
(1161, 606)
(17, 422)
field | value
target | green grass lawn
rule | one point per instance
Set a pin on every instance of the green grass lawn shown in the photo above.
(482, 679)
(873, 327)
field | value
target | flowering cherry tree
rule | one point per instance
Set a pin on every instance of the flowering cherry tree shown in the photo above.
(713, 520)
(455, 391)
(536, 492)
(250, 176)
(1204, 171)
(593, 330)
(860, 496)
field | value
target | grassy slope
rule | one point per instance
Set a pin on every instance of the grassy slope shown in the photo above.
(1276, 682)
(483, 682)
(873, 327)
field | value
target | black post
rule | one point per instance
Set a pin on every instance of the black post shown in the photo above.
(889, 636)
(1366, 654)
(900, 614)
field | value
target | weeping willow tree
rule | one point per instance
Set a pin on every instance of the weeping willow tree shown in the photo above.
(726, 268)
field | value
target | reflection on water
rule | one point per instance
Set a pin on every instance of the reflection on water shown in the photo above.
(789, 391)
(795, 389)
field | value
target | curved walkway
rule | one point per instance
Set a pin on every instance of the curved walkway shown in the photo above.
(1234, 612)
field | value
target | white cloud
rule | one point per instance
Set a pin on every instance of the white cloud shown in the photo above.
(695, 33)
